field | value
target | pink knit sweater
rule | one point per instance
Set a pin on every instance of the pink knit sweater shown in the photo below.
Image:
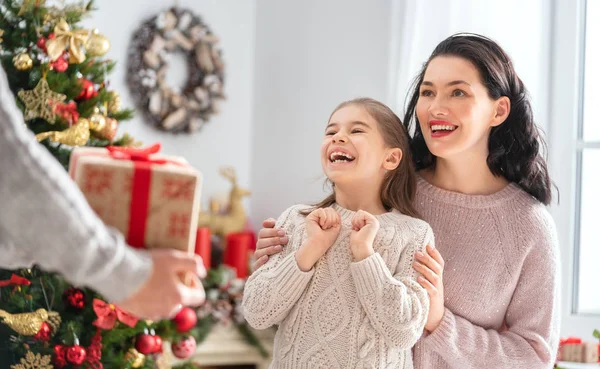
(502, 267)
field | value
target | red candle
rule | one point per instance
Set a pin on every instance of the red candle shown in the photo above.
(236, 252)
(203, 245)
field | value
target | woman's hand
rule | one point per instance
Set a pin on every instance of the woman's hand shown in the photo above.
(431, 266)
(270, 242)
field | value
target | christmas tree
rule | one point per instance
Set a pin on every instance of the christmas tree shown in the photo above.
(56, 71)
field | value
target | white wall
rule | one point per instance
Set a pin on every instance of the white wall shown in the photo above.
(310, 56)
(226, 139)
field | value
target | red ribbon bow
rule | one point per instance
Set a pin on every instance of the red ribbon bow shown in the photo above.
(570, 341)
(108, 314)
(135, 154)
(15, 280)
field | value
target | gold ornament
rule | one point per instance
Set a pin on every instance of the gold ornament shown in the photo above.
(135, 358)
(115, 102)
(40, 101)
(31, 361)
(97, 44)
(1, 34)
(77, 135)
(28, 324)
(97, 122)
(23, 62)
(67, 38)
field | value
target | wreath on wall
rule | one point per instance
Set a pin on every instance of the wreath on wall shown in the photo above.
(166, 107)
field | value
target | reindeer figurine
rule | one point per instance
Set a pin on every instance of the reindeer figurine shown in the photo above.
(235, 218)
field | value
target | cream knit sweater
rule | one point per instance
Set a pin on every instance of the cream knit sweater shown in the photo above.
(343, 314)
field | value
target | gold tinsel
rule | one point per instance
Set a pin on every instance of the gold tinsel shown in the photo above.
(135, 358)
(67, 38)
(40, 101)
(77, 135)
(31, 361)
(28, 324)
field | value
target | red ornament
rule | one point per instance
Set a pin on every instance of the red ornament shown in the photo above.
(60, 65)
(74, 297)
(185, 320)
(44, 334)
(41, 43)
(60, 359)
(76, 355)
(158, 342)
(87, 90)
(184, 348)
(145, 344)
(69, 113)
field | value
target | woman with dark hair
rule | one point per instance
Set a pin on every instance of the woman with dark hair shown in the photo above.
(482, 185)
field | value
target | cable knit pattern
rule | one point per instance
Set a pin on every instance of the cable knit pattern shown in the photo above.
(501, 254)
(343, 314)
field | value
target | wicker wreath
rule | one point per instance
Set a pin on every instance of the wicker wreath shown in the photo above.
(167, 108)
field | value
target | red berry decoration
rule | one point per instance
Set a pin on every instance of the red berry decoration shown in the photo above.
(44, 334)
(60, 65)
(87, 90)
(184, 348)
(76, 355)
(185, 320)
(74, 298)
(145, 344)
(60, 353)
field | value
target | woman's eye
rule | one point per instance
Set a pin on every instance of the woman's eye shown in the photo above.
(458, 93)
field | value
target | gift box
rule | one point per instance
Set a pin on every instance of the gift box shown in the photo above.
(573, 349)
(153, 199)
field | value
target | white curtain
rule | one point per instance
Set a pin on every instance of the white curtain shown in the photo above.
(521, 27)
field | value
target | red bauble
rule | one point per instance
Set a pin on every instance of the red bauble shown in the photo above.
(44, 334)
(60, 359)
(41, 43)
(145, 344)
(184, 348)
(60, 65)
(87, 90)
(185, 320)
(158, 342)
(74, 298)
(76, 355)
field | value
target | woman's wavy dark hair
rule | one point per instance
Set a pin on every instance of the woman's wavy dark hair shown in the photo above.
(515, 145)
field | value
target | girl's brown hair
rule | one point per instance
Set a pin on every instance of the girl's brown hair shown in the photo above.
(399, 185)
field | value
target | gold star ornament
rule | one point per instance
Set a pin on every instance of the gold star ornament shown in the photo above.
(40, 102)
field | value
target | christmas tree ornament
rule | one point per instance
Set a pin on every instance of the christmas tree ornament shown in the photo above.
(87, 90)
(66, 38)
(109, 314)
(97, 44)
(40, 102)
(158, 344)
(74, 298)
(60, 65)
(185, 320)
(68, 112)
(97, 122)
(76, 354)
(23, 62)
(135, 358)
(110, 129)
(145, 343)
(77, 135)
(184, 348)
(1, 34)
(41, 43)
(28, 324)
(15, 280)
(114, 104)
(31, 361)
(60, 356)
(44, 334)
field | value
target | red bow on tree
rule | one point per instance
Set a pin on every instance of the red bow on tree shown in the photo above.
(108, 314)
(15, 280)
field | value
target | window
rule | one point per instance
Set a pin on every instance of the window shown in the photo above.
(587, 221)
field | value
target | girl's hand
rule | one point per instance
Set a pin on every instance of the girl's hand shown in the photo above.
(323, 227)
(364, 230)
(431, 266)
(270, 241)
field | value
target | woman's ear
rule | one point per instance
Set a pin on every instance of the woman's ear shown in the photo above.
(393, 159)
(502, 111)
